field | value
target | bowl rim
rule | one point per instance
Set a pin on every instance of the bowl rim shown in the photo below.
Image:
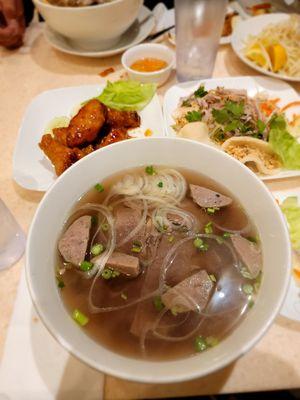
(169, 66)
(75, 9)
(184, 375)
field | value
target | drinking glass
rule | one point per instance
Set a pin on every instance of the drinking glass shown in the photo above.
(12, 238)
(199, 25)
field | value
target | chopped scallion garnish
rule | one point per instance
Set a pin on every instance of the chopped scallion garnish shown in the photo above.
(150, 170)
(80, 318)
(247, 288)
(212, 341)
(171, 238)
(199, 244)
(208, 228)
(212, 210)
(104, 227)
(251, 302)
(107, 273)
(160, 184)
(212, 278)
(200, 344)
(158, 304)
(94, 219)
(97, 249)
(124, 296)
(99, 187)
(136, 249)
(86, 265)
(60, 282)
(226, 235)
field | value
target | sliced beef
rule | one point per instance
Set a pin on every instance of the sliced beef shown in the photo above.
(74, 241)
(191, 294)
(126, 220)
(208, 198)
(122, 119)
(124, 263)
(249, 253)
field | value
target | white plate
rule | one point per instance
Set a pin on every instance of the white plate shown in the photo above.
(138, 32)
(291, 306)
(254, 26)
(253, 85)
(31, 169)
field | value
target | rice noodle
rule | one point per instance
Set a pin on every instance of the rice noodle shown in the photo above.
(161, 218)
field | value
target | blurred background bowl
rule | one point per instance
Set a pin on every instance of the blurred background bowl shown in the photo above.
(96, 27)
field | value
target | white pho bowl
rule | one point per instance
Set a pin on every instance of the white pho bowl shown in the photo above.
(147, 50)
(239, 180)
(96, 27)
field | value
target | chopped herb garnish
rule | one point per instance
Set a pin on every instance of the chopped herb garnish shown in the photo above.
(104, 227)
(160, 184)
(115, 273)
(171, 238)
(150, 170)
(99, 187)
(200, 344)
(124, 296)
(245, 273)
(212, 210)
(219, 240)
(158, 304)
(199, 244)
(208, 228)
(107, 273)
(80, 318)
(86, 265)
(97, 249)
(174, 311)
(193, 116)
(237, 109)
(251, 302)
(212, 341)
(232, 126)
(221, 116)
(212, 278)
(186, 103)
(200, 92)
(261, 126)
(226, 235)
(247, 288)
(60, 282)
(136, 249)
(252, 239)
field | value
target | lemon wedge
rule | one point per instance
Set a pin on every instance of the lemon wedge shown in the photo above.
(255, 53)
(278, 56)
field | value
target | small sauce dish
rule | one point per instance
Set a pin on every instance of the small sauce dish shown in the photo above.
(149, 63)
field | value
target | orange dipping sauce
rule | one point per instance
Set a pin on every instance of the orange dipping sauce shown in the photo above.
(148, 65)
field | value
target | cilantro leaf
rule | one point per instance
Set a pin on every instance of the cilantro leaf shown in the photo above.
(237, 109)
(261, 126)
(200, 92)
(231, 126)
(193, 116)
(221, 116)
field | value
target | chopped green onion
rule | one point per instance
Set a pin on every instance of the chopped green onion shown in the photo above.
(186, 103)
(80, 318)
(212, 210)
(97, 249)
(171, 238)
(251, 302)
(115, 273)
(219, 239)
(60, 282)
(104, 227)
(99, 187)
(124, 296)
(107, 273)
(208, 228)
(86, 265)
(158, 304)
(174, 311)
(252, 239)
(136, 249)
(198, 242)
(160, 184)
(245, 273)
(150, 170)
(212, 278)
(247, 288)
(137, 243)
(204, 247)
(212, 341)
(226, 235)
(94, 219)
(200, 344)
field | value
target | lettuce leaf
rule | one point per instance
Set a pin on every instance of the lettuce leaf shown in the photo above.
(284, 144)
(127, 95)
(291, 210)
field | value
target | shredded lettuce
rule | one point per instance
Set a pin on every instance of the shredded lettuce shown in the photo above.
(284, 144)
(127, 95)
(291, 210)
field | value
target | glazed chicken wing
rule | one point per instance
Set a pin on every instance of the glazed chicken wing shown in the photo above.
(84, 127)
(61, 156)
(114, 135)
(122, 119)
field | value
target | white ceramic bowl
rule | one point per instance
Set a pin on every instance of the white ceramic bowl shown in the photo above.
(95, 27)
(248, 189)
(151, 50)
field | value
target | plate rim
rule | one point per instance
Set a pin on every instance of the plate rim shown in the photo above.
(50, 33)
(291, 173)
(17, 149)
(236, 43)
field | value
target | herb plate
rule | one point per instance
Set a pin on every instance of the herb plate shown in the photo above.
(253, 84)
(31, 169)
(291, 305)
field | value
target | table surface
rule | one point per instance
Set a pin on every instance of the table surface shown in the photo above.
(273, 364)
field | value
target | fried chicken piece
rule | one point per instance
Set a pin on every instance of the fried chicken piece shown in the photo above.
(80, 153)
(84, 127)
(115, 135)
(123, 119)
(61, 156)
